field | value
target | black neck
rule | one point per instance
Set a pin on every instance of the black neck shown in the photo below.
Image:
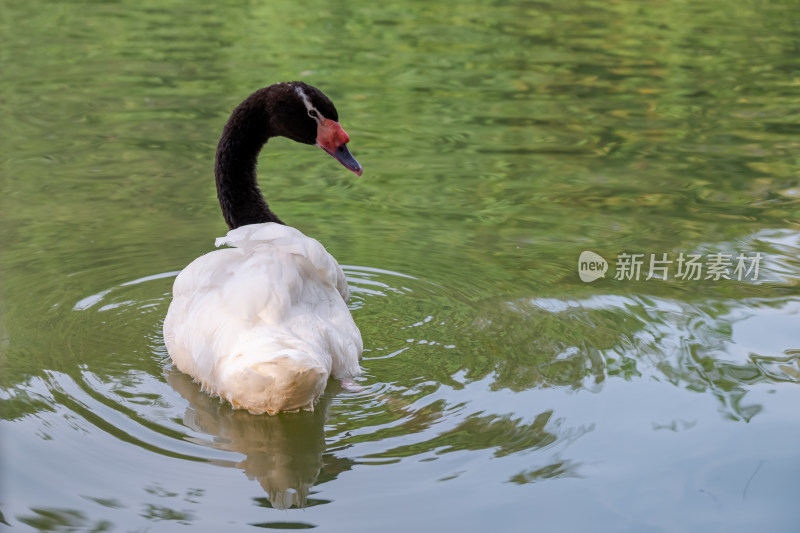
(244, 135)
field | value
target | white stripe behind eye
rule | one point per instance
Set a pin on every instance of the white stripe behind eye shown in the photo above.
(307, 102)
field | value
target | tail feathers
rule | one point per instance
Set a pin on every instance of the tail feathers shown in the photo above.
(280, 384)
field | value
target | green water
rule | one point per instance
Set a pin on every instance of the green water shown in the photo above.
(499, 141)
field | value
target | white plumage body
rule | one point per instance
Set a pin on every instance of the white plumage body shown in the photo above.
(263, 324)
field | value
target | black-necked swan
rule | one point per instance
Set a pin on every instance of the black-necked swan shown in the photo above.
(264, 324)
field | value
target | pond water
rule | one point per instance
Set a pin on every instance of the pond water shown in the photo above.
(499, 140)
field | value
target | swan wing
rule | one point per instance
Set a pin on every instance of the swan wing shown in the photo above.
(294, 241)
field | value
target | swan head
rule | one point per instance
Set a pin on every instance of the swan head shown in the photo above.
(304, 114)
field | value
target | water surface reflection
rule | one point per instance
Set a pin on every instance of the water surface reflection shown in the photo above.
(284, 453)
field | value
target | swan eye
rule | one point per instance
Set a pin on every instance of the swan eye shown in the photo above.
(313, 114)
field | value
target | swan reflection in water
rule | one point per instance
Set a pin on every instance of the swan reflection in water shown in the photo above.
(283, 452)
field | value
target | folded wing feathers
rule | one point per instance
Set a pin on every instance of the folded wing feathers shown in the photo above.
(276, 294)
